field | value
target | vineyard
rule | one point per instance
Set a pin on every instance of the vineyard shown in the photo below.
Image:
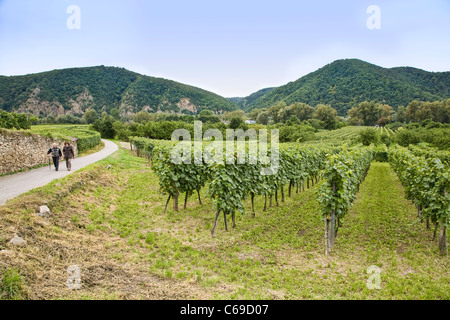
(87, 139)
(339, 136)
(386, 131)
(312, 230)
(340, 171)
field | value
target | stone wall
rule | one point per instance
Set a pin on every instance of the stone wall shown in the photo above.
(21, 151)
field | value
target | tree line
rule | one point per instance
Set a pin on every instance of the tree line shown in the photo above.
(370, 113)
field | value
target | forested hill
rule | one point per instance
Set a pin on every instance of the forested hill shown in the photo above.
(345, 83)
(72, 91)
(243, 103)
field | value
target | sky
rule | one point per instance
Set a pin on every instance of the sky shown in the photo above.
(232, 48)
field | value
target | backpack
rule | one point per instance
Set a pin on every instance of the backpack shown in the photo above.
(55, 152)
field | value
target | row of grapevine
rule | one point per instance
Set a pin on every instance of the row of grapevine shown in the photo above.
(430, 152)
(144, 146)
(427, 182)
(343, 172)
(229, 184)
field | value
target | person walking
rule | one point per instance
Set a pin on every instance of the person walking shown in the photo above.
(68, 155)
(56, 155)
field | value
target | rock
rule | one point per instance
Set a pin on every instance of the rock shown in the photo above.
(7, 253)
(44, 211)
(17, 241)
(11, 229)
(42, 223)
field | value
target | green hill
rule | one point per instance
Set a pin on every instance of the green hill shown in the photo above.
(72, 91)
(243, 103)
(345, 83)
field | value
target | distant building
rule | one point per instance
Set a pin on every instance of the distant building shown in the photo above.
(250, 121)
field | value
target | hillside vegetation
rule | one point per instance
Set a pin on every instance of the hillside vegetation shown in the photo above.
(102, 88)
(346, 83)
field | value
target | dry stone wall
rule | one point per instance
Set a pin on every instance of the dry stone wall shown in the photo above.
(21, 151)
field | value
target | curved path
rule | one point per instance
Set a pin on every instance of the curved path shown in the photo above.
(13, 185)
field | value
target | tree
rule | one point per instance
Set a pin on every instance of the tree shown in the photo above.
(425, 111)
(208, 116)
(382, 121)
(326, 114)
(387, 112)
(263, 118)
(411, 111)
(122, 130)
(369, 112)
(142, 116)
(105, 125)
(301, 110)
(446, 116)
(90, 116)
(292, 120)
(355, 117)
(69, 119)
(233, 114)
(115, 113)
(255, 113)
(316, 124)
(236, 123)
(274, 111)
(401, 115)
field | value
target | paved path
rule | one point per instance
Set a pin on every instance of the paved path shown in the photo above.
(13, 185)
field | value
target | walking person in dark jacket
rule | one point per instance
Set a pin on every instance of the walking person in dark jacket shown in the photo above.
(68, 155)
(56, 155)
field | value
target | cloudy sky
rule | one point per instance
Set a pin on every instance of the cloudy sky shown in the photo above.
(232, 47)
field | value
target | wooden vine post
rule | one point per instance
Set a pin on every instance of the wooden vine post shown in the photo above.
(333, 221)
(443, 247)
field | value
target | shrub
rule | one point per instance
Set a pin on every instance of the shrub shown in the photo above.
(368, 136)
(15, 120)
(407, 137)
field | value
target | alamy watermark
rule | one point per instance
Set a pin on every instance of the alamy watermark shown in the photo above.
(74, 280)
(74, 20)
(214, 151)
(374, 20)
(374, 280)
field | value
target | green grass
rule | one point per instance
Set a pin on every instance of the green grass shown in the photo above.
(279, 254)
(382, 229)
(338, 136)
(12, 285)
